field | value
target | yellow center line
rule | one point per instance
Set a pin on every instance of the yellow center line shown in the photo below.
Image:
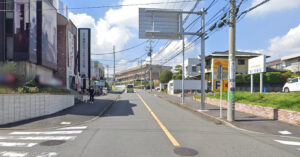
(165, 130)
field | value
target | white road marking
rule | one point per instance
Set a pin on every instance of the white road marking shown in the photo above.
(292, 143)
(51, 154)
(46, 132)
(37, 137)
(285, 132)
(65, 123)
(73, 128)
(15, 144)
(298, 148)
(13, 154)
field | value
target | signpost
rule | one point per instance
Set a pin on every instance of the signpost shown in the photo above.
(257, 65)
(220, 76)
(165, 24)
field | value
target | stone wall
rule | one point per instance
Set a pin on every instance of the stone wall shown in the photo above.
(287, 116)
(14, 108)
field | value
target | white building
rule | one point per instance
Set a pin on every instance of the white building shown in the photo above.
(192, 67)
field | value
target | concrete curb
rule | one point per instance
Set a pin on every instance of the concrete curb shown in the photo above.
(75, 124)
(219, 120)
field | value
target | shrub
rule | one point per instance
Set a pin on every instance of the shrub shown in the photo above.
(165, 76)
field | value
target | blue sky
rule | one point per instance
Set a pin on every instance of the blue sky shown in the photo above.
(272, 29)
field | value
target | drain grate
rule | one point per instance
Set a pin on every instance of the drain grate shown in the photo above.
(183, 151)
(52, 142)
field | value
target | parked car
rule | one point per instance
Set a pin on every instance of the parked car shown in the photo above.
(129, 88)
(157, 88)
(292, 86)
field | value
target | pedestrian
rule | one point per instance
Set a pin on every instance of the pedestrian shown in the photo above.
(92, 94)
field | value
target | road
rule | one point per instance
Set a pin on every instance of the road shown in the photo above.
(142, 125)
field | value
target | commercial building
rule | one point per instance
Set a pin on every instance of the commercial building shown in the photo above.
(97, 70)
(141, 73)
(290, 62)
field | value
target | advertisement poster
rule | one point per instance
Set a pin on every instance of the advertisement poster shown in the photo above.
(71, 54)
(216, 83)
(84, 52)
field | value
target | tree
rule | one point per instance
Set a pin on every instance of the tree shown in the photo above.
(165, 76)
(178, 73)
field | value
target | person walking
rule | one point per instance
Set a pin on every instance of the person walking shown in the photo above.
(92, 94)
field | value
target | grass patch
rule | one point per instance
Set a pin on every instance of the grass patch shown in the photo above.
(288, 101)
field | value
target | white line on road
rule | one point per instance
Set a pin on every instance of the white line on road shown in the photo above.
(73, 128)
(46, 132)
(292, 143)
(285, 132)
(37, 137)
(65, 123)
(15, 144)
(13, 154)
(51, 154)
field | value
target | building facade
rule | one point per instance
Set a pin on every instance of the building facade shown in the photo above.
(192, 67)
(141, 73)
(290, 62)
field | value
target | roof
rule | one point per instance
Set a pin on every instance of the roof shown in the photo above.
(274, 61)
(296, 55)
(237, 54)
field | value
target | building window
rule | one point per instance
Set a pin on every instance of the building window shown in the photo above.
(194, 69)
(21, 37)
(241, 62)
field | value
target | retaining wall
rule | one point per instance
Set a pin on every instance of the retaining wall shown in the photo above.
(18, 107)
(287, 116)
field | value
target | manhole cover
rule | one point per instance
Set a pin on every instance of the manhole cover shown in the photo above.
(52, 143)
(183, 151)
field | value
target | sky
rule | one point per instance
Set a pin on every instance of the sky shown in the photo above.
(272, 29)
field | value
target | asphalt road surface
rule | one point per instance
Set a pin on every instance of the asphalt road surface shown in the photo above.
(142, 125)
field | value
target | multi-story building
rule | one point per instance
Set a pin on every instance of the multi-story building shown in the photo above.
(192, 67)
(38, 36)
(290, 62)
(141, 73)
(97, 70)
(241, 60)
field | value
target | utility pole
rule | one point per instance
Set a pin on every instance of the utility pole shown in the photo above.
(114, 78)
(182, 92)
(150, 55)
(203, 59)
(107, 69)
(231, 53)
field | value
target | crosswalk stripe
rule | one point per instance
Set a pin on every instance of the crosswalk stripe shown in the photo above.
(50, 154)
(13, 154)
(292, 143)
(37, 137)
(16, 144)
(73, 128)
(46, 132)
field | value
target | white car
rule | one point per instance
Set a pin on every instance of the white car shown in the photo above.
(292, 86)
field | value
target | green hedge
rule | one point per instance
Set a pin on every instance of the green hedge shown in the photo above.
(269, 77)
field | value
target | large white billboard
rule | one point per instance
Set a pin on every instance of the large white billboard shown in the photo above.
(257, 65)
(84, 52)
(71, 66)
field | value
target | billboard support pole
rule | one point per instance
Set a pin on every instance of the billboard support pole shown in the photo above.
(261, 82)
(221, 92)
(251, 83)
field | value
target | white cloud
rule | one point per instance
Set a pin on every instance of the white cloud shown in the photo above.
(285, 45)
(274, 6)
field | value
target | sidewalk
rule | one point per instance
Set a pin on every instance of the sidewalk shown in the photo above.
(242, 120)
(78, 114)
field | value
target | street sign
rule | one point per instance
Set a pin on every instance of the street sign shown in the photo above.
(257, 65)
(216, 78)
(160, 24)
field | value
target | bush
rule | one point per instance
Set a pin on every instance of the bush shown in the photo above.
(273, 77)
(26, 89)
(165, 76)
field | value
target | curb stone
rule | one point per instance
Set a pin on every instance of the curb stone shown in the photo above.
(219, 120)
